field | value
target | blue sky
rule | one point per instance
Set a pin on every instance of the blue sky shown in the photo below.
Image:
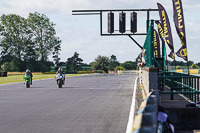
(82, 34)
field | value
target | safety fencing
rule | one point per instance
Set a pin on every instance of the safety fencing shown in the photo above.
(180, 83)
(145, 120)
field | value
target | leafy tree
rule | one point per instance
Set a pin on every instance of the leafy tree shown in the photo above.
(118, 68)
(9, 67)
(129, 65)
(26, 41)
(113, 63)
(47, 65)
(30, 58)
(62, 64)
(0, 63)
(193, 66)
(56, 54)
(113, 58)
(101, 63)
(7, 58)
(85, 67)
(179, 63)
(137, 68)
(190, 63)
(15, 36)
(74, 63)
(43, 35)
(198, 64)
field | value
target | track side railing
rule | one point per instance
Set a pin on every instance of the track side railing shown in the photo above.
(180, 83)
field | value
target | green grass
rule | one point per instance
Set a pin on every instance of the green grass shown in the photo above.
(19, 78)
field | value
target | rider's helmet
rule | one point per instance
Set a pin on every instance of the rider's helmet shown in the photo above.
(28, 71)
(60, 70)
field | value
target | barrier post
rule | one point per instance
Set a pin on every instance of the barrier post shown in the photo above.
(172, 87)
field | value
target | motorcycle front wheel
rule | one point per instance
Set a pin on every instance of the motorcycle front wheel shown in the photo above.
(27, 84)
(59, 84)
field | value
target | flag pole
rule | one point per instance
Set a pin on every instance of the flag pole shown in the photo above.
(188, 68)
(166, 63)
(175, 63)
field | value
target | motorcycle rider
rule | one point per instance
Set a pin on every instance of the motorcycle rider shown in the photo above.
(60, 71)
(28, 72)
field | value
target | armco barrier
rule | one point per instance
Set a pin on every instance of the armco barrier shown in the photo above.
(85, 72)
(99, 71)
(145, 120)
(49, 72)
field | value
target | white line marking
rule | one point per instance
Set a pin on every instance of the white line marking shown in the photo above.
(132, 110)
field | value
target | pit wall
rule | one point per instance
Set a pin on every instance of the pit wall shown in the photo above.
(149, 79)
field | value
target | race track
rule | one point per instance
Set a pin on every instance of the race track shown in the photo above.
(85, 104)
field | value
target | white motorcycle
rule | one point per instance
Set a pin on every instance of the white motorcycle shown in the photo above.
(60, 79)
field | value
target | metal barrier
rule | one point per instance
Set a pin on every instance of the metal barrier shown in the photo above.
(180, 83)
(146, 118)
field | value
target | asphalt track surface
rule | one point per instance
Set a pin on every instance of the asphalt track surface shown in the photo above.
(85, 104)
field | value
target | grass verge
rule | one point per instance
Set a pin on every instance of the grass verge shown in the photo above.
(19, 78)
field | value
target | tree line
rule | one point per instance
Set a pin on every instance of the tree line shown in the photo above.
(180, 64)
(27, 42)
(105, 63)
